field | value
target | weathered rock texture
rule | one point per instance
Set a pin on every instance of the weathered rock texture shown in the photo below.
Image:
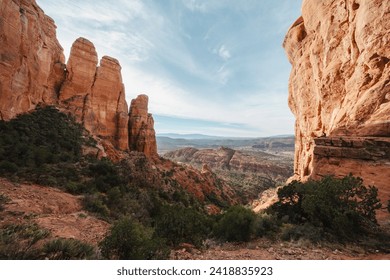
(31, 59)
(142, 136)
(366, 157)
(340, 82)
(95, 94)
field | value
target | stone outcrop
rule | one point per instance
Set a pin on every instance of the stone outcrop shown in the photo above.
(142, 137)
(95, 94)
(339, 84)
(31, 59)
(365, 157)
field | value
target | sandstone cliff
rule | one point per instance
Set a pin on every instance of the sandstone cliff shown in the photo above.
(141, 127)
(339, 87)
(95, 94)
(31, 59)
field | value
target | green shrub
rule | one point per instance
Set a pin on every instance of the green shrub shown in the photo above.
(266, 225)
(68, 249)
(178, 224)
(237, 224)
(342, 207)
(306, 231)
(130, 240)
(95, 203)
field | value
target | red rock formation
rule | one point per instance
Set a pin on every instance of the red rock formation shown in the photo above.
(33, 71)
(95, 95)
(75, 94)
(142, 136)
(31, 59)
(339, 83)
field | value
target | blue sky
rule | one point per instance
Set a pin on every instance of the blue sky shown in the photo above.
(214, 67)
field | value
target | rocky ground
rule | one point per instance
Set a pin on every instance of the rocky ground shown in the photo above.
(60, 213)
(265, 249)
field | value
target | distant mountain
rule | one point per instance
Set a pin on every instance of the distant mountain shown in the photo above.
(277, 143)
(189, 136)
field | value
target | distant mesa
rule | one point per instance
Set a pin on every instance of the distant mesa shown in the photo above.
(33, 71)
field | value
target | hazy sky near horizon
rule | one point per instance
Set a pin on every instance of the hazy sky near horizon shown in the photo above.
(213, 67)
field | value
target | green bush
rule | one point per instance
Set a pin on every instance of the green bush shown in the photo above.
(266, 225)
(68, 249)
(343, 207)
(130, 240)
(178, 224)
(237, 224)
(306, 231)
(95, 203)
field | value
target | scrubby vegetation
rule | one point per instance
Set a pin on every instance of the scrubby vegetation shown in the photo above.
(340, 208)
(68, 249)
(129, 239)
(17, 241)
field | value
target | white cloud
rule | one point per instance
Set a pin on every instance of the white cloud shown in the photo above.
(224, 53)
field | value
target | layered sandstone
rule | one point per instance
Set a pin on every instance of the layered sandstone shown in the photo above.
(95, 94)
(142, 137)
(339, 84)
(31, 59)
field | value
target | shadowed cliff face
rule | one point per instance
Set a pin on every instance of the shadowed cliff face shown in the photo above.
(339, 83)
(33, 72)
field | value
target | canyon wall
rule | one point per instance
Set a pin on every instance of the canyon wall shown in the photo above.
(339, 89)
(31, 58)
(33, 72)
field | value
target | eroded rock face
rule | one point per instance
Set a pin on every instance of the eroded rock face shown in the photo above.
(95, 94)
(142, 137)
(340, 80)
(31, 59)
